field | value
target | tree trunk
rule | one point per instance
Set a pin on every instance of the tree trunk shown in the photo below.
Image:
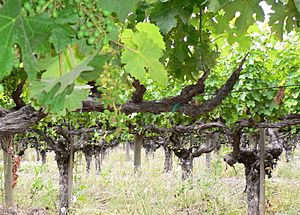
(252, 189)
(37, 154)
(138, 141)
(8, 176)
(64, 166)
(43, 155)
(187, 167)
(168, 160)
(88, 160)
(147, 152)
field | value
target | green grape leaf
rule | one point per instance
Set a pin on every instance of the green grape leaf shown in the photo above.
(283, 14)
(142, 54)
(126, 38)
(97, 63)
(247, 9)
(56, 85)
(47, 84)
(153, 33)
(165, 14)
(27, 32)
(165, 17)
(73, 101)
(121, 7)
(216, 5)
(61, 64)
(61, 37)
(114, 34)
(297, 4)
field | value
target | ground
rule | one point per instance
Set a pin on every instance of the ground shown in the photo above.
(117, 190)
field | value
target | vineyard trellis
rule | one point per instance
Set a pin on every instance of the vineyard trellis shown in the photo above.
(88, 75)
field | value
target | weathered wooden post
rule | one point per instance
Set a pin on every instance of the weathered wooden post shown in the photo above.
(8, 176)
(262, 172)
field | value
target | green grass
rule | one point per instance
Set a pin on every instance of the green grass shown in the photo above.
(117, 190)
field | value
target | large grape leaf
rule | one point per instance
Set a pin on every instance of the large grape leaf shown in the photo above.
(121, 7)
(153, 33)
(165, 17)
(285, 17)
(61, 37)
(165, 14)
(297, 4)
(215, 5)
(247, 9)
(59, 89)
(27, 32)
(98, 64)
(70, 100)
(142, 52)
(55, 88)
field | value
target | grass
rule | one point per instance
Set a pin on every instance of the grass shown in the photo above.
(117, 190)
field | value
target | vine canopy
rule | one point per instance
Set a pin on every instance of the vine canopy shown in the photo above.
(58, 43)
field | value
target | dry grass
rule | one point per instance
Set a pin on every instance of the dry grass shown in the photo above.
(117, 190)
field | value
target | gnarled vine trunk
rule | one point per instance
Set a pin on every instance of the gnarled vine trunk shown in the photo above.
(43, 155)
(147, 152)
(37, 154)
(252, 189)
(187, 167)
(65, 168)
(88, 160)
(98, 160)
(168, 160)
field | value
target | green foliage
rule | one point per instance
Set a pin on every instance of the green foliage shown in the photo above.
(143, 49)
(114, 6)
(165, 14)
(247, 11)
(285, 17)
(25, 32)
(254, 96)
(60, 94)
(51, 41)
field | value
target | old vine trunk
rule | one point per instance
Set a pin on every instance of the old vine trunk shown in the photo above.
(252, 189)
(63, 163)
(168, 160)
(187, 167)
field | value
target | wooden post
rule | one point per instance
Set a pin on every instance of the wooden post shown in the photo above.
(70, 171)
(8, 176)
(138, 140)
(262, 172)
